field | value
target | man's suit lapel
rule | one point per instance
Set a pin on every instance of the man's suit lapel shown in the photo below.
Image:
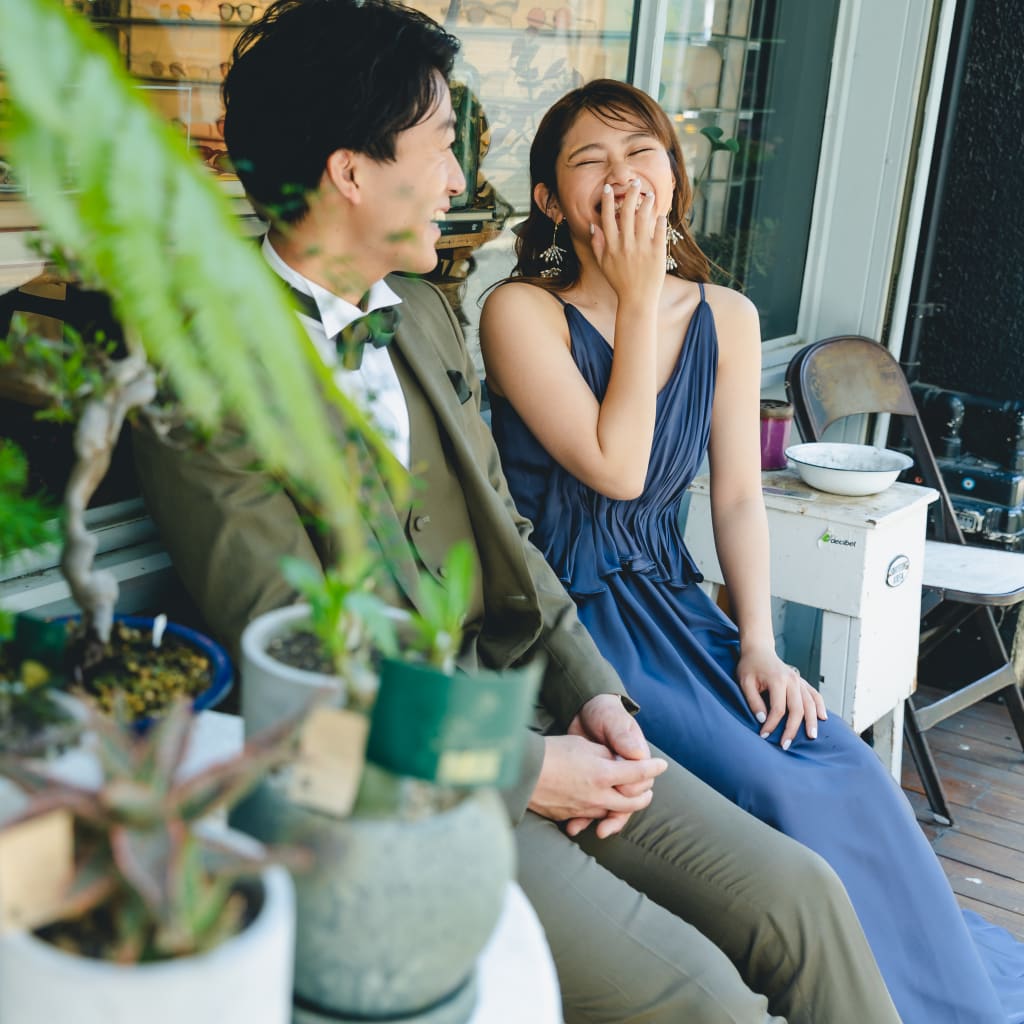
(511, 596)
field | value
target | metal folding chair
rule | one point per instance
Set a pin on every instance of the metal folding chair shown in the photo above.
(852, 375)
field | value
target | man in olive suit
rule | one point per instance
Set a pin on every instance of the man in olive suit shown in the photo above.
(671, 905)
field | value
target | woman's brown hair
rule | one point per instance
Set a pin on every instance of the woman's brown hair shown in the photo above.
(610, 101)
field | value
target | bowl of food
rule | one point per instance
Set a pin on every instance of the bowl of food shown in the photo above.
(850, 469)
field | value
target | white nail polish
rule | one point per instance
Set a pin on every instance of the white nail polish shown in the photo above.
(591, 228)
(765, 734)
(813, 733)
(786, 744)
(607, 189)
(761, 717)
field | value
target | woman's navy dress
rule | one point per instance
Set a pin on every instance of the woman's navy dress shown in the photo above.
(635, 586)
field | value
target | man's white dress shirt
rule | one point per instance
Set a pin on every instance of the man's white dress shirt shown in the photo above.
(375, 384)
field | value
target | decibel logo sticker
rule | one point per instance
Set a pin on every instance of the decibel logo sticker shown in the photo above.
(828, 537)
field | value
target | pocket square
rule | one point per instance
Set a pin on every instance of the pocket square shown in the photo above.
(462, 389)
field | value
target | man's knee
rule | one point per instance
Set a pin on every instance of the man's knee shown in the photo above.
(804, 881)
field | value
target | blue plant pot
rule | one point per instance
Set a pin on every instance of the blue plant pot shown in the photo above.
(221, 669)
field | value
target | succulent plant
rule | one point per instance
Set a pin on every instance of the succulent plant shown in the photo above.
(148, 884)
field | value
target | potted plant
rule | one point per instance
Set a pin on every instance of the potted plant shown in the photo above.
(420, 866)
(122, 660)
(29, 718)
(134, 215)
(168, 916)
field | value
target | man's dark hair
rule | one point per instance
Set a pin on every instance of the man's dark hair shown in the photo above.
(314, 76)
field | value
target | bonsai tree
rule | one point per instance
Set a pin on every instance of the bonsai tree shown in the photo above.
(88, 385)
(135, 215)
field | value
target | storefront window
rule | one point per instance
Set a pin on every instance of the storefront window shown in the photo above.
(757, 72)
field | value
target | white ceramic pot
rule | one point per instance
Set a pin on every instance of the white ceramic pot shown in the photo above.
(272, 690)
(245, 980)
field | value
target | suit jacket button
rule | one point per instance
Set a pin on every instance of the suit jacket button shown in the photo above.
(421, 522)
(442, 572)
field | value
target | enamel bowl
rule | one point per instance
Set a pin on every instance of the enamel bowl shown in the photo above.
(849, 469)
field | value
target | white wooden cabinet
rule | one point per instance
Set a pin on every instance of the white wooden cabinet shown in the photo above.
(858, 560)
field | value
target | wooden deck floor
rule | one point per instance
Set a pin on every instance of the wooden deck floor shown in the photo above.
(982, 768)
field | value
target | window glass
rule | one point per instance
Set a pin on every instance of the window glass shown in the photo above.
(746, 82)
(517, 58)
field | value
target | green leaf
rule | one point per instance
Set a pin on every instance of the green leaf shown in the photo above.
(460, 574)
(144, 221)
(305, 578)
(144, 857)
(712, 132)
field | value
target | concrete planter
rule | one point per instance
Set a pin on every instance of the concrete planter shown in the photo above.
(246, 980)
(394, 914)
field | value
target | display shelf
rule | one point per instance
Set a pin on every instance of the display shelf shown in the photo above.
(127, 22)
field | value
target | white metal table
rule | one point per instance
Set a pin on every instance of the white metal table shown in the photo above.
(858, 560)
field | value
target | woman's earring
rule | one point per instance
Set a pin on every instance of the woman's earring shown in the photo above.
(553, 255)
(672, 237)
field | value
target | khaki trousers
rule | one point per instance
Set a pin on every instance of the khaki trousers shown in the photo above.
(698, 913)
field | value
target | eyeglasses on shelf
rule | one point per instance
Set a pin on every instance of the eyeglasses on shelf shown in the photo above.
(243, 10)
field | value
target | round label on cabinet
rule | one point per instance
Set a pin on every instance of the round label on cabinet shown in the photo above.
(896, 574)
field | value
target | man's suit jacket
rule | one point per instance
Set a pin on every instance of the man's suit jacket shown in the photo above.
(227, 525)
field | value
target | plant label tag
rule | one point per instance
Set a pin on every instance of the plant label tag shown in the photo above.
(332, 751)
(36, 865)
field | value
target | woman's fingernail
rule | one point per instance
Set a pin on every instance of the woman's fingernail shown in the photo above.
(813, 733)
(591, 228)
(607, 189)
(635, 183)
(761, 716)
(786, 744)
(765, 734)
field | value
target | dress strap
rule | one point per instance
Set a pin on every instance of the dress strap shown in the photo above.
(700, 285)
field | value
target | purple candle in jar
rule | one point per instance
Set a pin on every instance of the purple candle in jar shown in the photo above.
(776, 416)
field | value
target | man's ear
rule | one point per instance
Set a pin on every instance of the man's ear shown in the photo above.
(341, 173)
(545, 199)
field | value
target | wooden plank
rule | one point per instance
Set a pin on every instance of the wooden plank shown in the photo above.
(983, 854)
(984, 886)
(972, 822)
(979, 751)
(1013, 923)
(968, 728)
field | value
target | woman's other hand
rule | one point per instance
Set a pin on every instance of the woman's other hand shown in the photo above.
(789, 694)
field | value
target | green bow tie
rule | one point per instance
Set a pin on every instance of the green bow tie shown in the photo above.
(376, 328)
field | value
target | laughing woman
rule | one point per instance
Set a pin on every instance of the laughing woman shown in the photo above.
(613, 368)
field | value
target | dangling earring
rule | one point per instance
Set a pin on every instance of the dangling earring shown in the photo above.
(672, 237)
(553, 255)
